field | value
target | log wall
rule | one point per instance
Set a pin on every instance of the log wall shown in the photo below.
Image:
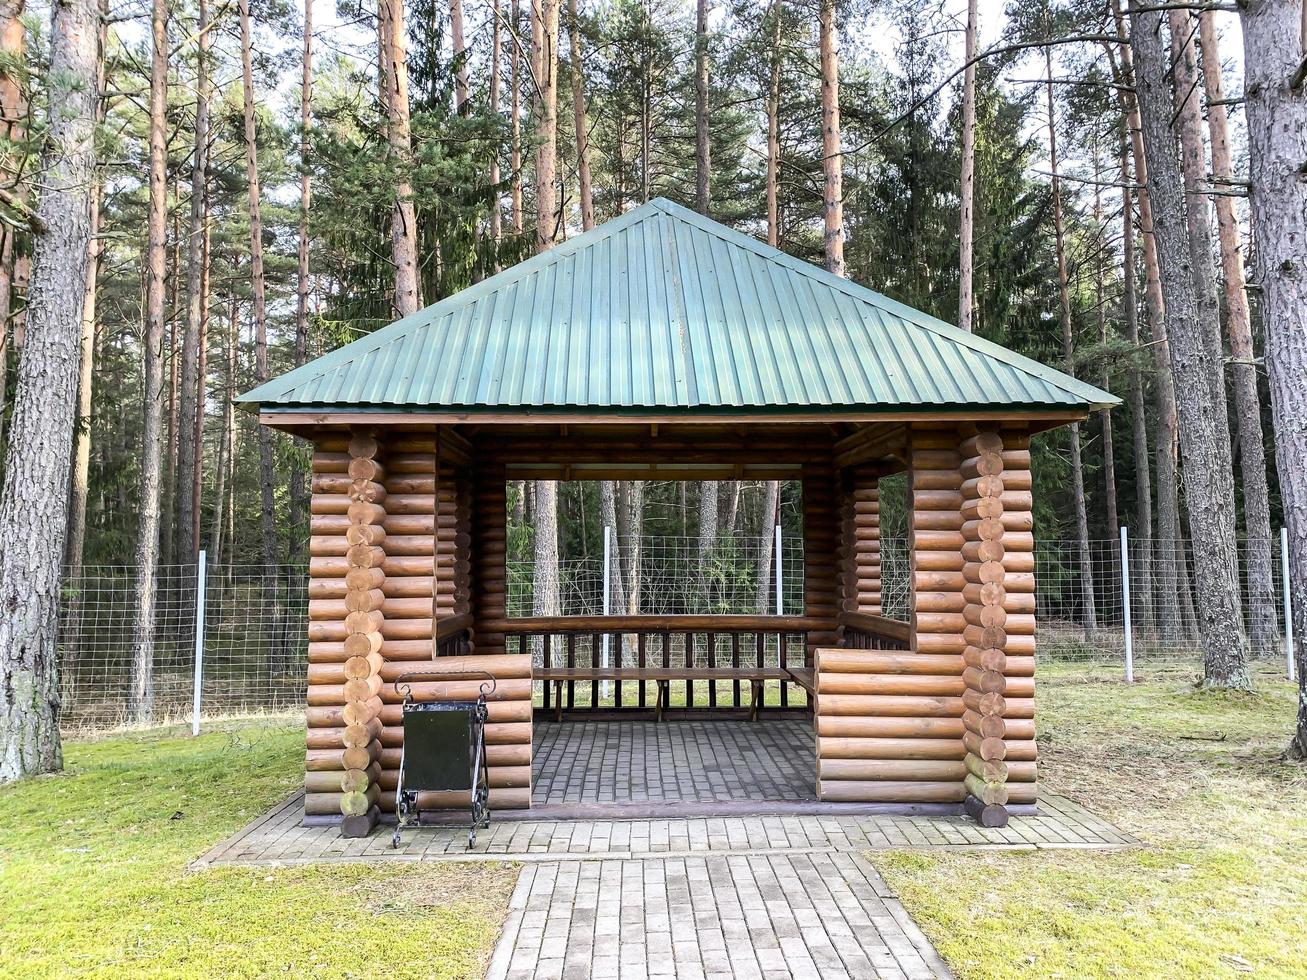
(889, 727)
(935, 541)
(821, 534)
(951, 721)
(859, 554)
(390, 548)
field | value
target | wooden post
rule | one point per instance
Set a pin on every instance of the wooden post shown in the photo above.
(820, 547)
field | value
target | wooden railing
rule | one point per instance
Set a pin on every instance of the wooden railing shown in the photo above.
(452, 635)
(636, 642)
(866, 632)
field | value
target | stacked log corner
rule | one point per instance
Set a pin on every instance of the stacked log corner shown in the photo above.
(951, 720)
(389, 557)
(998, 655)
(346, 619)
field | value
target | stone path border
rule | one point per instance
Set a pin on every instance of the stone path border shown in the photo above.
(276, 837)
(766, 897)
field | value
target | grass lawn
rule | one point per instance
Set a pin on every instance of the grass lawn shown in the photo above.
(1221, 890)
(93, 877)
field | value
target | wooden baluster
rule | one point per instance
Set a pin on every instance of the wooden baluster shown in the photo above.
(712, 663)
(571, 662)
(594, 662)
(689, 662)
(549, 661)
(615, 649)
(639, 640)
(783, 661)
(735, 665)
(667, 661)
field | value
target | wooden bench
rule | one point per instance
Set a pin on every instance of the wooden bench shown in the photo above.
(805, 677)
(662, 677)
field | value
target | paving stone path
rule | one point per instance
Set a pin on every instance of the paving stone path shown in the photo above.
(719, 916)
(768, 896)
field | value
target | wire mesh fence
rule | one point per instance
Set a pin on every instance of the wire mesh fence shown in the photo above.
(255, 643)
(255, 638)
(672, 577)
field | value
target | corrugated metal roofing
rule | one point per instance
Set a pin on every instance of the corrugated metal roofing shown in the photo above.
(663, 309)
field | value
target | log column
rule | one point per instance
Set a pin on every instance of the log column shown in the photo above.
(999, 676)
(1019, 605)
(364, 600)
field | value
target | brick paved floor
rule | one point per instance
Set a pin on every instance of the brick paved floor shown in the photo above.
(716, 916)
(644, 762)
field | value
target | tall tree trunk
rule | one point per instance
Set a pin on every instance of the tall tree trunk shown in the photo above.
(13, 39)
(544, 56)
(1243, 365)
(545, 550)
(141, 689)
(269, 527)
(1089, 611)
(515, 106)
(773, 130)
(544, 60)
(496, 55)
(968, 189)
(1105, 374)
(1198, 212)
(460, 56)
(227, 446)
(580, 122)
(80, 486)
(403, 223)
(630, 529)
(168, 489)
(1142, 576)
(34, 503)
(202, 374)
(1209, 488)
(1275, 45)
(732, 515)
(608, 496)
(707, 499)
(298, 480)
(187, 533)
(1172, 571)
(701, 151)
(832, 163)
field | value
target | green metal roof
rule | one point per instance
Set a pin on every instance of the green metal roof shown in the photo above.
(663, 310)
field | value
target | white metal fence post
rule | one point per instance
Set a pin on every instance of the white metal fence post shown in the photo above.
(780, 599)
(607, 602)
(780, 592)
(1125, 607)
(200, 569)
(1291, 665)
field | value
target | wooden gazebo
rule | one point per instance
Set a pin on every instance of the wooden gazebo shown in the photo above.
(663, 345)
